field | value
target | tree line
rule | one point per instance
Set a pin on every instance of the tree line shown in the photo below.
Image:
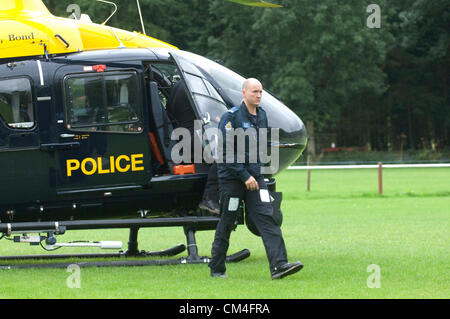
(358, 73)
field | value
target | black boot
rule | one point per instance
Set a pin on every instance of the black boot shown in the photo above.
(286, 270)
(210, 206)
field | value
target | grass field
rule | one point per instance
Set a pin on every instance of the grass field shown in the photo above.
(338, 229)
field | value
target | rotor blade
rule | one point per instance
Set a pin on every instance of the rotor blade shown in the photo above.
(257, 3)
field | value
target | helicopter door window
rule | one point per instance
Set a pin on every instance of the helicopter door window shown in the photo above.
(210, 105)
(85, 100)
(107, 102)
(189, 67)
(122, 103)
(211, 109)
(197, 84)
(208, 101)
(16, 106)
(212, 91)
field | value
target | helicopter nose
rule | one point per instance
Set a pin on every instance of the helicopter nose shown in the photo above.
(292, 137)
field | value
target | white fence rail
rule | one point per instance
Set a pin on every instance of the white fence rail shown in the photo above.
(379, 166)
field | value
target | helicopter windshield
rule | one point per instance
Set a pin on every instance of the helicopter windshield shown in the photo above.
(230, 86)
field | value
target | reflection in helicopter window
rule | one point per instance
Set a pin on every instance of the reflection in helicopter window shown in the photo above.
(106, 102)
(16, 107)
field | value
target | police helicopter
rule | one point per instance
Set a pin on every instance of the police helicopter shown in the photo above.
(86, 134)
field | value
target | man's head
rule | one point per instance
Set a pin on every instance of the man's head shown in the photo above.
(252, 92)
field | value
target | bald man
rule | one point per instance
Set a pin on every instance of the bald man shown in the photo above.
(242, 181)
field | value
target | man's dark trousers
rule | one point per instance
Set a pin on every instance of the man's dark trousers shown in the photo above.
(260, 214)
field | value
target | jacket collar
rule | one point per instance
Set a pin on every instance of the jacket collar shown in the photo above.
(245, 110)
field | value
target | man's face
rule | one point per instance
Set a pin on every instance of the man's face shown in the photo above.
(252, 93)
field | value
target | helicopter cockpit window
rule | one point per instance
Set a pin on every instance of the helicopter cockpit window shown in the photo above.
(106, 102)
(16, 106)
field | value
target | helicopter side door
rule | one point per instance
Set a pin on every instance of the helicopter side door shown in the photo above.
(104, 146)
(207, 102)
(24, 168)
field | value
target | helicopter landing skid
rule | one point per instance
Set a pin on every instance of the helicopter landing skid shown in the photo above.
(138, 257)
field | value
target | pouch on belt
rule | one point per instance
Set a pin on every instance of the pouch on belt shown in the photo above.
(277, 215)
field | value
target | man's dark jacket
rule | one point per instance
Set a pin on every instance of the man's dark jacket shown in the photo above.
(235, 118)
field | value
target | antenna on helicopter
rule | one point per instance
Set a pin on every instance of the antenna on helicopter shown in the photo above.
(140, 16)
(115, 9)
(121, 45)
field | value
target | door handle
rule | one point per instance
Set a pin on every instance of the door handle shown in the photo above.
(59, 146)
(206, 119)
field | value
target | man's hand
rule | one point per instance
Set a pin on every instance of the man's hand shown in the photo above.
(251, 184)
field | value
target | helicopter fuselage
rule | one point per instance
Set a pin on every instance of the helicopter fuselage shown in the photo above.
(80, 139)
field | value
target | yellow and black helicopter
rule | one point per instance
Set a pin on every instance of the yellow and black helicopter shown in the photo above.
(85, 132)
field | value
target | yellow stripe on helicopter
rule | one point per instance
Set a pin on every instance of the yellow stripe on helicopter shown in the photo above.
(27, 28)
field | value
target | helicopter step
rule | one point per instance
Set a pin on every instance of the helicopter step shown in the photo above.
(190, 225)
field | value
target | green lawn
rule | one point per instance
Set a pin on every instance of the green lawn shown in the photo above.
(337, 230)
